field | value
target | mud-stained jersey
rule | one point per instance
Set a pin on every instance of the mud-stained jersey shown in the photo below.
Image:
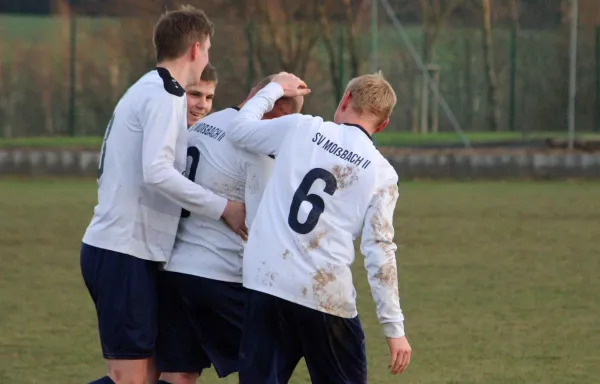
(329, 185)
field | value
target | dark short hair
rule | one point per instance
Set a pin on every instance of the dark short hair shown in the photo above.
(264, 82)
(176, 31)
(210, 74)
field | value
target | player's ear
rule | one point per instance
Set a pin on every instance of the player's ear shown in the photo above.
(345, 101)
(195, 50)
(382, 126)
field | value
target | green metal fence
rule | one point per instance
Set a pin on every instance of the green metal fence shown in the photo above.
(63, 76)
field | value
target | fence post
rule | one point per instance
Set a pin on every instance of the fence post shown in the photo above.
(573, 71)
(250, 72)
(72, 74)
(513, 79)
(424, 85)
(341, 64)
(374, 35)
(597, 125)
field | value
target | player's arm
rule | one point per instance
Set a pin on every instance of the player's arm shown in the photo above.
(250, 185)
(248, 131)
(161, 122)
(379, 250)
(265, 137)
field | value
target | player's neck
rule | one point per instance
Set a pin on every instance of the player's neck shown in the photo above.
(178, 70)
(353, 119)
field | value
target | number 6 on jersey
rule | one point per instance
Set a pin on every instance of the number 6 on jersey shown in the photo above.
(318, 205)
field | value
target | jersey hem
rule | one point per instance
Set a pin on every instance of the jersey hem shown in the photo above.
(304, 303)
(225, 279)
(123, 250)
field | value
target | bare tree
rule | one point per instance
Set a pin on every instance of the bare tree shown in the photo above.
(493, 112)
(292, 40)
(514, 12)
(353, 18)
(589, 12)
(281, 41)
(435, 15)
(336, 81)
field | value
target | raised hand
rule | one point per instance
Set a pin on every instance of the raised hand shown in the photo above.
(292, 85)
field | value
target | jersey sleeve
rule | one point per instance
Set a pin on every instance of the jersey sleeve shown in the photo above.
(161, 121)
(265, 137)
(379, 250)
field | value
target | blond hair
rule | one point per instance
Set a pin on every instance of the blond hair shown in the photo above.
(372, 94)
(176, 31)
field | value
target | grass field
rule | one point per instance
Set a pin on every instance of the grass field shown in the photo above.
(382, 139)
(499, 284)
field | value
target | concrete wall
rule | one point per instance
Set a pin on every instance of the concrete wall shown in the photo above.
(515, 165)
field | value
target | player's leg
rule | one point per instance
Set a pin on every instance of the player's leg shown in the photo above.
(123, 289)
(333, 347)
(217, 316)
(270, 348)
(179, 355)
(153, 373)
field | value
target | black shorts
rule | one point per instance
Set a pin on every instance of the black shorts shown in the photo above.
(199, 323)
(278, 333)
(123, 289)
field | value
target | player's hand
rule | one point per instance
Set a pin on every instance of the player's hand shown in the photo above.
(291, 84)
(235, 217)
(400, 352)
(243, 233)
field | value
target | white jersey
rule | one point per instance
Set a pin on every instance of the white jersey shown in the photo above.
(141, 188)
(328, 185)
(207, 247)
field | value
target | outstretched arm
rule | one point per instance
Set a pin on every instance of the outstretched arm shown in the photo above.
(161, 128)
(265, 137)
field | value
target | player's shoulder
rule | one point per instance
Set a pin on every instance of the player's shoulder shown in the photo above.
(221, 118)
(210, 131)
(158, 85)
(386, 173)
(305, 124)
(300, 118)
(170, 86)
(217, 123)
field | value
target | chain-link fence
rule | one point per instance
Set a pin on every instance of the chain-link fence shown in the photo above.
(63, 75)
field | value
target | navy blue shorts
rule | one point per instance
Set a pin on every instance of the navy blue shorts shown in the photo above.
(199, 323)
(123, 288)
(278, 333)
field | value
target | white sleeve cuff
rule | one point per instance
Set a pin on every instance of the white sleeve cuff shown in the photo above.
(393, 330)
(216, 207)
(274, 91)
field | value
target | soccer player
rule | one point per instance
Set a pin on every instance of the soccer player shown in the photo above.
(201, 297)
(329, 184)
(141, 192)
(200, 95)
